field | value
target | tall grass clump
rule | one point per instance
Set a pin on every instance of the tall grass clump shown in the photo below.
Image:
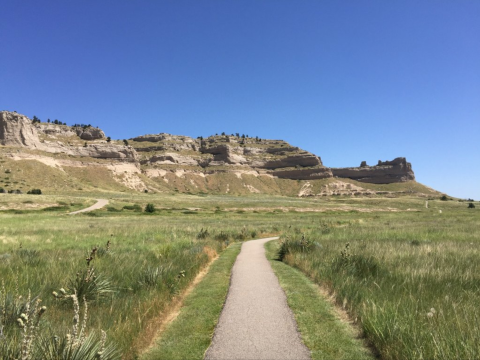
(412, 281)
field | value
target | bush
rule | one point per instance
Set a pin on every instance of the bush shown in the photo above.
(222, 236)
(471, 206)
(135, 207)
(294, 245)
(444, 198)
(203, 234)
(35, 192)
(150, 208)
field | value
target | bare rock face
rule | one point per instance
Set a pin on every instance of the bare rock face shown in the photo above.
(170, 158)
(302, 160)
(303, 174)
(166, 142)
(17, 130)
(224, 154)
(152, 137)
(55, 130)
(108, 151)
(89, 133)
(386, 172)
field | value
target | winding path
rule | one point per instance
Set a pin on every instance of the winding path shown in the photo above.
(256, 322)
(98, 205)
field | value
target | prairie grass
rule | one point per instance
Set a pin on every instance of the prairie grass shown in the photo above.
(140, 264)
(151, 258)
(412, 280)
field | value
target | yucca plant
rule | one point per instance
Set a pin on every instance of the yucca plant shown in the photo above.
(87, 285)
(76, 344)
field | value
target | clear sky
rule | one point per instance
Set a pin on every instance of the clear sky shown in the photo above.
(347, 80)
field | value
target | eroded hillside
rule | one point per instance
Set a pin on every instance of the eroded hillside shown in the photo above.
(65, 158)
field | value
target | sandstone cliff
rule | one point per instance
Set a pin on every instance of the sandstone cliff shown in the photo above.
(385, 172)
(164, 162)
(18, 130)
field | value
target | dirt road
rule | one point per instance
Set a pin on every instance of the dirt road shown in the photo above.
(100, 203)
(256, 322)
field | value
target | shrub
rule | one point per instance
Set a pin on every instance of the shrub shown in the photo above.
(203, 234)
(35, 192)
(471, 206)
(135, 207)
(149, 208)
(444, 198)
(222, 236)
(294, 245)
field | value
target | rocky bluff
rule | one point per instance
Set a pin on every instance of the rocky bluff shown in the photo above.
(157, 155)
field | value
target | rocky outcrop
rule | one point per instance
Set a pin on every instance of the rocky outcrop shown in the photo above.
(166, 142)
(223, 154)
(17, 130)
(106, 151)
(232, 156)
(171, 159)
(386, 172)
(303, 174)
(89, 133)
(299, 160)
(55, 130)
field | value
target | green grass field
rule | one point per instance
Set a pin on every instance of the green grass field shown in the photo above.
(411, 280)
(412, 260)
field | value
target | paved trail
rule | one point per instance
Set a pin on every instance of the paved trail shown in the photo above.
(100, 203)
(256, 322)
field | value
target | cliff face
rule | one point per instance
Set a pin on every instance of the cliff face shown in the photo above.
(18, 130)
(220, 163)
(385, 172)
(230, 153)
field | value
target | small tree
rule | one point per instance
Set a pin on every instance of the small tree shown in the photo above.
(471, 206)
(109, 139)
(149, 208)
(125, 141)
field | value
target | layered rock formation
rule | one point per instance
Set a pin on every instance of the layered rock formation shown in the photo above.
(385, 172)
(220, 163)
(18, 130)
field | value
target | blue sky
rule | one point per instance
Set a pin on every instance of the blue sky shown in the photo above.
(346, 80)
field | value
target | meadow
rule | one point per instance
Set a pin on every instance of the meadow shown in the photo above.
(410, 281)
(409, 276)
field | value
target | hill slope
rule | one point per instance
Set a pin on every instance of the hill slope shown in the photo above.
(65, 158)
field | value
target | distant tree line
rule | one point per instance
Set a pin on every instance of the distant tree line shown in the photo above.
(36, 120)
